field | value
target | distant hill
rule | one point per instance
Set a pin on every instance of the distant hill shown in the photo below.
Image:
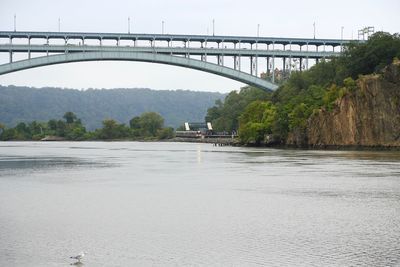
(25, 104)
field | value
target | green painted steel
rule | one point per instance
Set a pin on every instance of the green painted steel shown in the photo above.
(168, 50)
(142, 57)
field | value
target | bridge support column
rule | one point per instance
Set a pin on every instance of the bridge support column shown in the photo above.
(268, 67)
(29, 51)
(284, 67)
(236, 62)
(256, 66)
(11, 56)
(301, 64)
(273, 69)
(251, 65)
(220, 60)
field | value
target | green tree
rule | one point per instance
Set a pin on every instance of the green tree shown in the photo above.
(8, 134)
(22, 132)
(371, 56)
(225, 115)
(70, 117)
(151, 123)
(111, 130)
(165, 133)
(134, 123)
(257, 121)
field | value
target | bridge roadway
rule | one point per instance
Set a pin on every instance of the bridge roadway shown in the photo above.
(173, 37)
(173, 54)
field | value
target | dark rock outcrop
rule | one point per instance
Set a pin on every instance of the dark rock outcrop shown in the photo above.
(369, 116)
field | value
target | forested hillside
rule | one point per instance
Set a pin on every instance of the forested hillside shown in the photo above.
(24, 104)
(351, 100)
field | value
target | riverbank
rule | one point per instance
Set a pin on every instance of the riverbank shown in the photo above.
(215, 141)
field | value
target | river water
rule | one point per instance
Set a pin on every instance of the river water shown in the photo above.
(181, 204)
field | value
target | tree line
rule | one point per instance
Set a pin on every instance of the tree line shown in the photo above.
(261, 115)
(147, 126)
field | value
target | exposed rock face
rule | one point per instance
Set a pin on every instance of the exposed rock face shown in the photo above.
(369, 116)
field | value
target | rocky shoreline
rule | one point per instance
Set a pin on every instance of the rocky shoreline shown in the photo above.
(368, 117)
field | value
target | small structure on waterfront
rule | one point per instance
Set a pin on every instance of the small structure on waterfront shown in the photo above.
(202, 130)
(195, 130)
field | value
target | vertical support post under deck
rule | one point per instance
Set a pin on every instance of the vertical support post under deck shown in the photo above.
(273, 69)
(29, 50)
(251, 65)
(301, 64)
(284, 66)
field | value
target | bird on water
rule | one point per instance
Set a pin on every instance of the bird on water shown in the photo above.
(79, 257)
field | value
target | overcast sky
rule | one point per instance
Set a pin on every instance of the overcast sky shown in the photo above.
(279, 18)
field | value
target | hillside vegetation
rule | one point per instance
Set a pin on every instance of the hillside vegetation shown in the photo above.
(24, 104)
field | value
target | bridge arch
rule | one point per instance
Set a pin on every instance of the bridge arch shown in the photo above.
(141, 57)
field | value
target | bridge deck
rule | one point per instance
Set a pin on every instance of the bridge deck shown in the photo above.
(174, 37)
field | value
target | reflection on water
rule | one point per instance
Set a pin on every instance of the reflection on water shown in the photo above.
(21, 165)
(169, 204)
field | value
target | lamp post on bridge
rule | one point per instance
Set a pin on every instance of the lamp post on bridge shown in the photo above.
(314, 29)
(256, 63)
(162, 27)
(341, 33)
(213, 27)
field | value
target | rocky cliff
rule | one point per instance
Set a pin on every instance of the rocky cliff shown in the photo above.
(369, 116)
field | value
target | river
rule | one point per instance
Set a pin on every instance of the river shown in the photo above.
(185, 204)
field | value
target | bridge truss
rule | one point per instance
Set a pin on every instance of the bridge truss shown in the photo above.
(228, 56)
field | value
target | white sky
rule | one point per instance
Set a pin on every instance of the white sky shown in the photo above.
(290, 18)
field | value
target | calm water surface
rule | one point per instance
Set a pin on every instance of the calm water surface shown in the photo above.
(177, 204)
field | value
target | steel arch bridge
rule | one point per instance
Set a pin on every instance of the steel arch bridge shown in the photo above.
(168, 49)
(141, 57)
